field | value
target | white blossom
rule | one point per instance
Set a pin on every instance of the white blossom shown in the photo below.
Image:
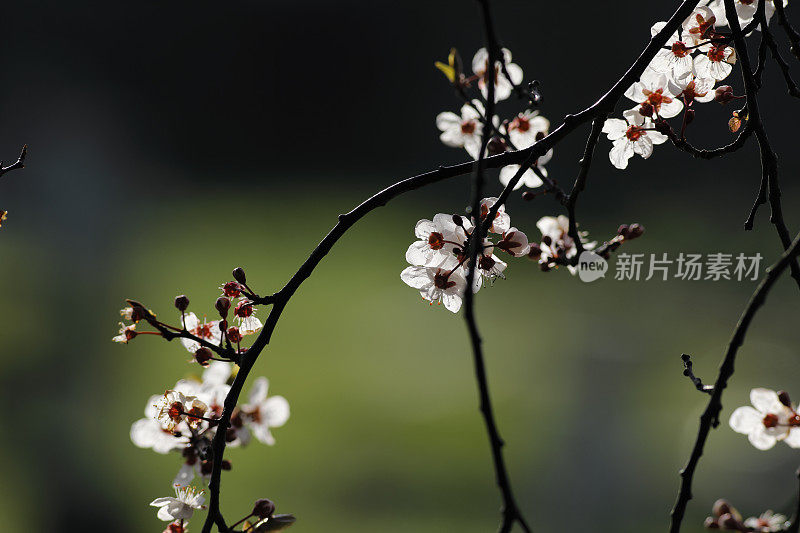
(674, 60)
(768, 522)
(502, 85)
(462, 131)
(634, 135)
(767, 421)
(262, 413)
(438, 284)
(654, 96)
(716, 63)
(182, 506)
(437, 240)
(502, 221)
(208, 331)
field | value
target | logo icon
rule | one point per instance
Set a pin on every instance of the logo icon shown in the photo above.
(591, 266)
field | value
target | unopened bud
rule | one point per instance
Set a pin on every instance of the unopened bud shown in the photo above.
(723, 94)
(729, 521)
(238, 275)
(223, 305)
(203, 355)
(547, 240)
(528, 196)
(263, 508)
(646, 110)
(226, 465)
(182, 302)
(720, 508)
(545, 267)
(689, 116)
(458, 221)
(496, 146)
(710, 523)
(233, 334)
(635, 230)
(783, 396)
(623, 230)
(230, 435)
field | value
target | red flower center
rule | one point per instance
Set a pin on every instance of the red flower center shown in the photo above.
(634, 133)
(441, 281)
(468, 127)
(679, 49)
(436, 241)
(771, 420)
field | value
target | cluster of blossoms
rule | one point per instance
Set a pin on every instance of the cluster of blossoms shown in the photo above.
(465, 129)
(184, 419)
(685, 71)
(439, 259)
(726, 518)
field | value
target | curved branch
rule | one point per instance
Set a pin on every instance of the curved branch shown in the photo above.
(710, 416)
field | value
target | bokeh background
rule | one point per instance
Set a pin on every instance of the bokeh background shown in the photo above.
(172, 141)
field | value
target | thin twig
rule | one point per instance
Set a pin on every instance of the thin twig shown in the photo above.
(19, 163)
(697, 382)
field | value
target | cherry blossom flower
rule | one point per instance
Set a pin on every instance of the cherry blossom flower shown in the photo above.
(490, 268)
(699, 25)
(527, 128)
(245, 315)
(692, 88)
(514, 242)
(716, 63)
(208, 331)
(148, 432)
(502, 221)
(182, 506)
(502, 85)
(463, 131)
(674, 60)
(174, 407)
(438, 238)
(654, 96)
(745, 10)
(438, 284)
(262, 413)
(768, 522)
(556, 241)
(528, 179)
(768, 421)
(634, 135)
(126, 333)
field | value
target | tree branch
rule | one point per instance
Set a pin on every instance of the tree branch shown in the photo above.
(710, 416)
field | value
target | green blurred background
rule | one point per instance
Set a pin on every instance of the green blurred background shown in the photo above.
(161, 159)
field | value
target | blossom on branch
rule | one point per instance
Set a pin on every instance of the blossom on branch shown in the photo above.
(769, 420)
(182, 506)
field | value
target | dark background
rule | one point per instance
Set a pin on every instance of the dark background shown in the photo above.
(171, 141)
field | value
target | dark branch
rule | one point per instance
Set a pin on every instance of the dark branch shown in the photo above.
(19, 163)
(710, 416)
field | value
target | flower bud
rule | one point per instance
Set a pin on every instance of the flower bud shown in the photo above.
(263, 508)
(233, 334)
(223, 304)
(545, 267)
(783, 396)
(496, 146)
(623, 230)
(710, 523)
(226, 465)
(238, 275)
(723, 94)
(528, 196)
(646, 109)
(634, 231)
(547, 240)
(689, 116)
(182, 302)
(230, 435)
(729, 521)
(720, 508)
(203, 355)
